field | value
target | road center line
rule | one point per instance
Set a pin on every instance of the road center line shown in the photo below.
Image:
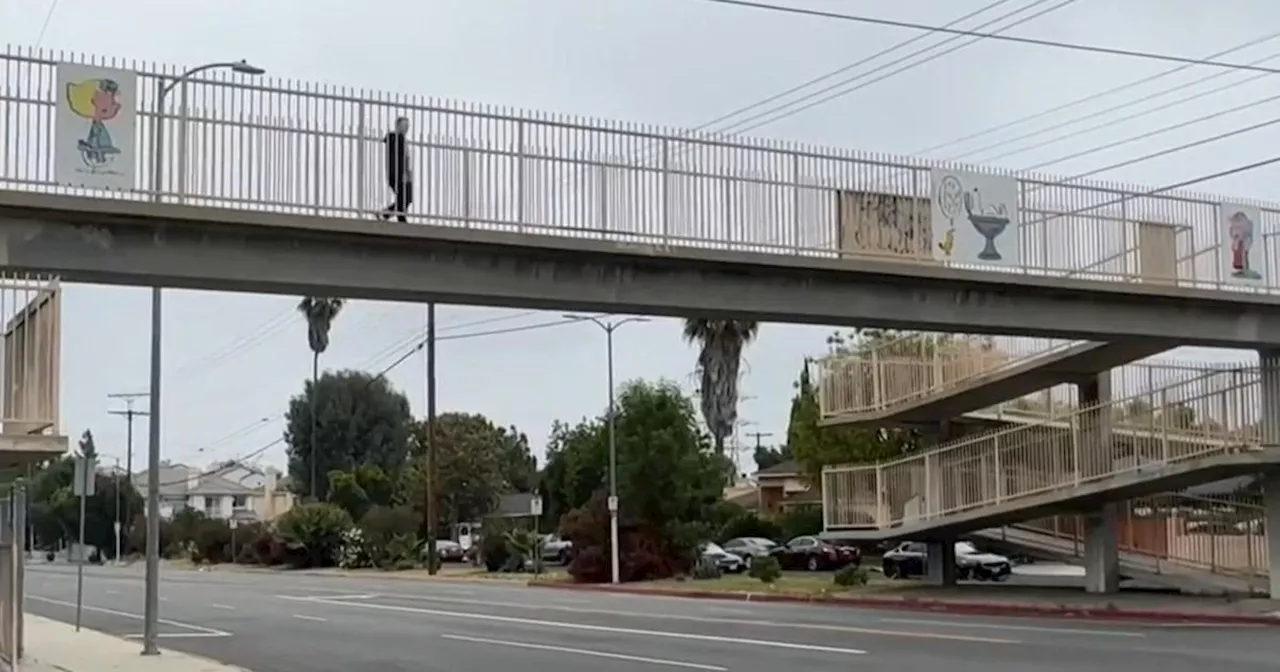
(1025, 628)
(722, 620)
(212, 632)
(227, 607)
(583, 626)
(588, 652)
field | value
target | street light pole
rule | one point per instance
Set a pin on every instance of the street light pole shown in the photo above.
(609, 328)
(151, 614)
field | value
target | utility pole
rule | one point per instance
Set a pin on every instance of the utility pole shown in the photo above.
(129, 413)
(433, 554)
(758, 436)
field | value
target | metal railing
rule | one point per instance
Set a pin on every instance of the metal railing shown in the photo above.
(1207, 413)
(312, 149)
(914, 366)
(31, 312)
(1223, 534)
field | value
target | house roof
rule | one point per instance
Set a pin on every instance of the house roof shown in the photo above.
(212, 484)
(781, 470)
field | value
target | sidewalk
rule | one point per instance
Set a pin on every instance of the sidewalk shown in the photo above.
(53, 646)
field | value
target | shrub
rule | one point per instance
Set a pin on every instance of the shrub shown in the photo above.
(210, 541)
(253, 544)
(749, 525)
(645, 551)
(137, 538)
(381, 525)
(353, 553)
(494, 551)
(707, 568)
(405, 548)
(313, 533)
(852, 575)
(802, 521)
(766, 569)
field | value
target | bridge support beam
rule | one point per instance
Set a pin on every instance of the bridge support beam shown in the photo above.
(1269, 368)
(1101, 551)
(940, 561)
(1094, 454)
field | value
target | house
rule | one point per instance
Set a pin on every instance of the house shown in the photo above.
(781, 488)
(229, 490)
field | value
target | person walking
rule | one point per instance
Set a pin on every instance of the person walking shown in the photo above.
(399, 170)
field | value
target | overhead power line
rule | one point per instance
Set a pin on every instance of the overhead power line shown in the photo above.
(1102, 94)
(1055, 44)
(784, 112)
(843, 69)
(1116, 120)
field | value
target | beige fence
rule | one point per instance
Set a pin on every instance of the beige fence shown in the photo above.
(914, 366)
(1206, 413)
(1224, 534)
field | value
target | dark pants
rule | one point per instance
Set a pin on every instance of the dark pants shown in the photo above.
(404, 198)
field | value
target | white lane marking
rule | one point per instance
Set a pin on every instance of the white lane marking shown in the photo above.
(211, 632)
(1025, 628)
(366, 596)
(184, 635)
(709, 619)
(227, 607)
(113, 592)
(583, 626)
(304, 617)
(588, 652)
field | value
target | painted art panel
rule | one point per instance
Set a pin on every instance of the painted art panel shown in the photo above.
(974, 218)
(1241, 244)
(95, 127)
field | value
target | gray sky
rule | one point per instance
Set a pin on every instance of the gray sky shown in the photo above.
(675, 62)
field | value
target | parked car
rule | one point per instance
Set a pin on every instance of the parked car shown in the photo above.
(972, 563)
(750, 548)
(814, 554)
(730, 563)
(450, 551)
(910, 558)
(555, 549)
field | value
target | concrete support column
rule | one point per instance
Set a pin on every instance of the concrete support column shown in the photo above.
(1095, 455)
(1271, 521)
(1269, 365)
(940, 567)
(1101, 551)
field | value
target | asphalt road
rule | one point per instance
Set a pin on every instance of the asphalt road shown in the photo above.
(294, 623)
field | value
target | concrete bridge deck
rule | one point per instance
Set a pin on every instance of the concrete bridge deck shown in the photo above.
(142, 243)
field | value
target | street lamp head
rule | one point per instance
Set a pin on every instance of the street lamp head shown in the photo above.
(245, 68)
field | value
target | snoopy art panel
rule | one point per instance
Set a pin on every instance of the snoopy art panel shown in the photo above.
(95, 127)
(1241, 244)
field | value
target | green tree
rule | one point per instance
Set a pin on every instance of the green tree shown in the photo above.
(317, 529)
(815, 447)
(720, 344)
(519, 467)
(55, 510)
(359, 420)
(320, 312)
(469, 467)
(769, 456)
(361, 488)
(669, 482)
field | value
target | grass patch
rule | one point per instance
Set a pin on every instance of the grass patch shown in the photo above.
(792, 583)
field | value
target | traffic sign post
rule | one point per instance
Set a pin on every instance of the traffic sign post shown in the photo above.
(83, 487)
(535, 510)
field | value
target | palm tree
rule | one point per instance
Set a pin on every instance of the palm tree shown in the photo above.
(320, 313)
(721, 343)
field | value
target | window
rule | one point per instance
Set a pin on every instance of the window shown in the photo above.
(239, 501)
(210, 506)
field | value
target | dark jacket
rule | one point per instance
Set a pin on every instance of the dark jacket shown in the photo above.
(397, 168)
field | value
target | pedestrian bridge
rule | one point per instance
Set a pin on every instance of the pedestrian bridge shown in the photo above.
(304, 149)
(1204, 428)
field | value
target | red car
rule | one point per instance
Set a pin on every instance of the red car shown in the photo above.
(814, 554)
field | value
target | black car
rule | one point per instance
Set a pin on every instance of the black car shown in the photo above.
(814, 554)
(750, 548)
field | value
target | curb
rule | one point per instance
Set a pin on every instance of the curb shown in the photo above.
(940, 606)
